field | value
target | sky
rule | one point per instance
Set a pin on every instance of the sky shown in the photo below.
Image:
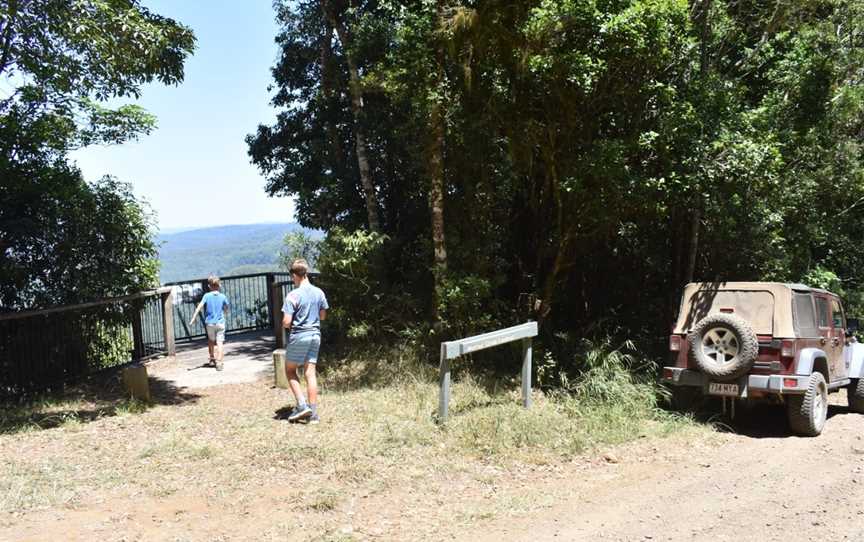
(194, 170)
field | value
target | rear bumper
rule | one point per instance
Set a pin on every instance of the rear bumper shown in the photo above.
(771, 384)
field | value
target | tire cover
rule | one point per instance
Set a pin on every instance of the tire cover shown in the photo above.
(715, 339)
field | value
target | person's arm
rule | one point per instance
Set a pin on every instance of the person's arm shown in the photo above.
(286, 320)
(322, 314)
(197, 310)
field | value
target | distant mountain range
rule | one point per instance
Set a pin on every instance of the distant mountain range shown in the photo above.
(222, 250)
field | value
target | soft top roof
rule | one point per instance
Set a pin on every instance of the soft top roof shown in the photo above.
(779, 322)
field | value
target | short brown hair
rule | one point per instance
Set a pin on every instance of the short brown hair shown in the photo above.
(213, 282)
(299, 267)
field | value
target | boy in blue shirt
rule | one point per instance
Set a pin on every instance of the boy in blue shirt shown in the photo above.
(215, 306)
(304, 308)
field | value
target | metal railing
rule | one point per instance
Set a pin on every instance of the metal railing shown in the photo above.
(250, 297)
(42, 349)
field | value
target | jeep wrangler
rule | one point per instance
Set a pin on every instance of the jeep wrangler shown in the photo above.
(765, 340)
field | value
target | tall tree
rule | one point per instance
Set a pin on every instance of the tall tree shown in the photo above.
(62, 239)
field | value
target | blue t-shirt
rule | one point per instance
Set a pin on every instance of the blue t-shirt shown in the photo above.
(304, 304)
(213, 304)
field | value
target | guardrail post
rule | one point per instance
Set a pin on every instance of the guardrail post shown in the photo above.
(526, 372)
(444, 381)
(168, 320)
(276, 308)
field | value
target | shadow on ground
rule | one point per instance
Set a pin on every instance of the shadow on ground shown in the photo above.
(99, 397)
(761, 420)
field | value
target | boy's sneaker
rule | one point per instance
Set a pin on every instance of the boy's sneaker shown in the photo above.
(313, 418)
(299, 413)
(219, 365)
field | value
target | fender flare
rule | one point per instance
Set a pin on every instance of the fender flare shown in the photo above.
(807, 359)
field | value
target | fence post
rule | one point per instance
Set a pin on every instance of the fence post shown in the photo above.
(444, 382)
(168, 320)
(526, 372)
(137, 331)
(276, 308)
(269, 279)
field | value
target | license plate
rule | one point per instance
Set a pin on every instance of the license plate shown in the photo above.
(717, 388)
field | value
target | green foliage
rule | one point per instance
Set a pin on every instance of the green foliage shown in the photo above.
(299, 244)
(597, 155)
(62, 239)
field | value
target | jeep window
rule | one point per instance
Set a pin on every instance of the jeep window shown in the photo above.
(822, 311)
(805, 316)
(836, 314)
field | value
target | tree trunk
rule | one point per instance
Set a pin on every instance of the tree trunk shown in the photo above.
(437, 134)
(356, 91)
(692, 243)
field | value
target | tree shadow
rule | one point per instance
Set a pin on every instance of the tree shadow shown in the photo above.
(100, 396)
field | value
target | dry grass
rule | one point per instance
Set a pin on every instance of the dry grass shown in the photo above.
(377, 445)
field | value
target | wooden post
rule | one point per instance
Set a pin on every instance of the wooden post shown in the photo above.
(276, 305)
(526, 372)
(168, 320)
(269, 279)
(444, 381)
(136, 382)
(281, 379)
(137, 331)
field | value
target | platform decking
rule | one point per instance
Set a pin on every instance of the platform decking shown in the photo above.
(248, 357)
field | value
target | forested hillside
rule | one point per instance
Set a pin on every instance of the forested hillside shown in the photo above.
(596, 155)
(222, 250)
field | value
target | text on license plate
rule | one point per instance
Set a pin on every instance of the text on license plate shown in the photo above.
(717, 388)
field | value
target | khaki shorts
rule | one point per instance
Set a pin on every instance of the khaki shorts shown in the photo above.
(216, 333)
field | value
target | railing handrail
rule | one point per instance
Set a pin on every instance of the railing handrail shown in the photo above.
(79, 306)
(204, 279)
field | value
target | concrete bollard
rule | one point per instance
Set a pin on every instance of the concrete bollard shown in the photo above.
(279, 368)
(136, 382)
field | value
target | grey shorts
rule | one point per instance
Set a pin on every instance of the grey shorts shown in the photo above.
(216, 333)
(303, 349)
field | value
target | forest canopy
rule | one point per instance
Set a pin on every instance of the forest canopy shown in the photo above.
(594, 155)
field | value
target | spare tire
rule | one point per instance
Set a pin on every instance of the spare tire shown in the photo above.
(723, 346)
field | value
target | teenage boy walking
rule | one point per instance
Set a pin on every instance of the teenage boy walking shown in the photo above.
(304, 308)
(215, 306)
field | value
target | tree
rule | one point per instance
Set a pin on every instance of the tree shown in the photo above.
(63, 240)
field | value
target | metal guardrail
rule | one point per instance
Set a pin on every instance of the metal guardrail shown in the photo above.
(454, 349)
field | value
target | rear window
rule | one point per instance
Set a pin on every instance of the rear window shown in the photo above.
(754, 306)
(805, 315)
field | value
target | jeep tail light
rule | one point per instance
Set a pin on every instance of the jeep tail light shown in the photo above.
(790, 382)
(674, 343)
(668, 374)
(727, 310)
(787, 349)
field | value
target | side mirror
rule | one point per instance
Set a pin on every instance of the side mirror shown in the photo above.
(852, 326)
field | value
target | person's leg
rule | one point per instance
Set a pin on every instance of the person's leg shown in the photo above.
(311, 383)
(302, 410)
(220, 340)
(211, 342)
(310, 372)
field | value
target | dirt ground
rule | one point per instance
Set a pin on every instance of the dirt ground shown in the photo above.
(756, 485)
(754, 482)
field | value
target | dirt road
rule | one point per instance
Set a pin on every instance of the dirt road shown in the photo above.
(756, 485)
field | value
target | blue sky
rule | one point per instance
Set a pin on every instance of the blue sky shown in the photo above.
(193, 169)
